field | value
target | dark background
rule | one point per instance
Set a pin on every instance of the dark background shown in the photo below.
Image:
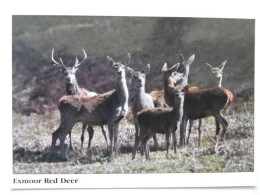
(37, 86)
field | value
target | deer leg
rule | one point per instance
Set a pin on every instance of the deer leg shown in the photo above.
(224, 124)
(136, 129)
(137, 143)
(111, 137)
(67, 126)
(199, 130)
(137, 132)
(55, 136)
(116, 127)
(155, 142)
(167, 137)
(71, 147)
(146, 146)
(90, 135)
(174, 141)
(190, 126)
(217, 128)
(82, 134)
(104, 133)
(183, 131)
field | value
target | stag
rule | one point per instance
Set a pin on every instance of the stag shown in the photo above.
(103, 109)
(72, 88)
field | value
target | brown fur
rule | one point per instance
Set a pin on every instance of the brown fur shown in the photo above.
(158, 98)
(80, 101)
(160, 120)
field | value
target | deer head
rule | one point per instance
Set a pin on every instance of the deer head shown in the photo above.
(68, 72)
(217, 72)
(185, 66)
(139, 76)
(171, 76)
(119, 67)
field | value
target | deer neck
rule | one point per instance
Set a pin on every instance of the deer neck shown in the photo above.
(168, 95)
(186, 75)
(140, 93)
(122, 90)
(177, 113)
(72, 88)
(220, 83)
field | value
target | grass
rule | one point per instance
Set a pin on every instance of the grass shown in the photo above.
(32, 138)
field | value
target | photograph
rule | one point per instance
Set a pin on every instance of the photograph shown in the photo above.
(132, 95)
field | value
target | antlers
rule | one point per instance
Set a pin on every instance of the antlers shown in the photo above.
(77, 64)
(61, 66)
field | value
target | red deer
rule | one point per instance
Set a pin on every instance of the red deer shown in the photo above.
(103, 109)
(217, 75)
(142, 100)
(184, 66)
(160, 120)
(72, 88)
(198, 103)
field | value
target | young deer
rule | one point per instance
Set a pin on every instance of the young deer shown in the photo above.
(217, 75)
(103, 109)
(142, 100)
(72, 88)
(199, 103)
(160, 120)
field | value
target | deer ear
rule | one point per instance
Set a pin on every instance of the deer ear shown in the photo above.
(181, 58)
(222, 65)
(146, 69)
(164, 68)
(191, 60)
(130, 70)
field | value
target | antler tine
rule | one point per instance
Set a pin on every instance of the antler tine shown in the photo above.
(77, 61)
(110, 59)
(208, 65)
(62, 62)
(52, 53)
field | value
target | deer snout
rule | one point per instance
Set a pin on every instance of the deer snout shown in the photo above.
(218, 78)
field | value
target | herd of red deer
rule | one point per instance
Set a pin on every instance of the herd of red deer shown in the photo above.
(163, 112)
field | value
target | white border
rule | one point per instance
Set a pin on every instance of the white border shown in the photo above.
(111, 181)
(181, 8)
